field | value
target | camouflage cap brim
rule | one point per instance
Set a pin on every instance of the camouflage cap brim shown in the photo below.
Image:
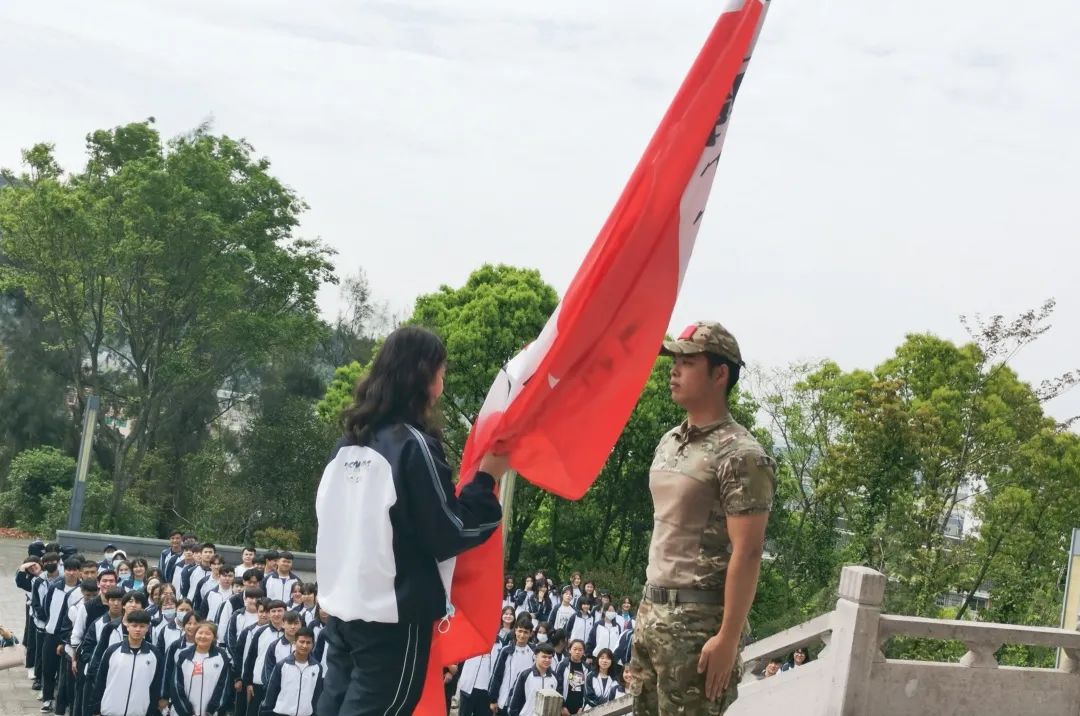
(682, 348)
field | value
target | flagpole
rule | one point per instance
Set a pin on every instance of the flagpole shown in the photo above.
(506, 497)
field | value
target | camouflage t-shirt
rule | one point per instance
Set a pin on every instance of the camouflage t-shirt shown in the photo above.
(699, 476)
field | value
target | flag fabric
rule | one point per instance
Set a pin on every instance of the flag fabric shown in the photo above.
(560, 405)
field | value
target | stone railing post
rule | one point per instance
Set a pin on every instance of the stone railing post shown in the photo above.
(854, 643)
(547, 703)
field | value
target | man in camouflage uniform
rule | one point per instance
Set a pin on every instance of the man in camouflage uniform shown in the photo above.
(712, 486)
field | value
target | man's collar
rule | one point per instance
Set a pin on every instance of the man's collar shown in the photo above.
(687, 432)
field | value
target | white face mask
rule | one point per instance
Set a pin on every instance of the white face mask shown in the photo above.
(611, 615)
(541, 638)
(123, 575)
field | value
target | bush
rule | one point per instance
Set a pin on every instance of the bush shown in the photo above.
(135, 518)
(32, 478)
(277, 538)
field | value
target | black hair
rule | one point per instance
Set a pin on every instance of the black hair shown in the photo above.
(285, 555)
(545, 649)
(557, 637)
(716, 361)
(610, 655)
(585, 601)
(254, 593)
(88, 563)
(270, 554)
(776, 660)
(226, 569)
(524, 621)
(276, 604)
(305, 631)
(134, 596)
(106, 572)
(139, 616)
(183, 600)
(252, 574)
(114, 593)
(190, 616)
(72, 564)
(250, 549)
(291, 617)
(310, 588)
(88, 585)
(577, 641)
(204, 545)
(397, 387)
(138, 560)
(50, 557)
(175, 533)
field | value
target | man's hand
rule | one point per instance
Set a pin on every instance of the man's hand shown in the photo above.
(716, 662)
(494, 708)
(59, 649)
(162, 704)
(251, 693)
(239, 685)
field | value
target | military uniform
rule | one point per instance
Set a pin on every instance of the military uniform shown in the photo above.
(699, 476)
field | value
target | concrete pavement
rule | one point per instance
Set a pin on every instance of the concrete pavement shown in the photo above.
(16, 697)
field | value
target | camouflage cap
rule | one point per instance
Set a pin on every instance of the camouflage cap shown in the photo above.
(705, 337)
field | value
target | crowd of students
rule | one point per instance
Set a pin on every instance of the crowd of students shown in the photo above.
(187, 636)
(192, 636)
(574, 639)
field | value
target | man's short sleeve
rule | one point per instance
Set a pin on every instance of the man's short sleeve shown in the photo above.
(748, 482)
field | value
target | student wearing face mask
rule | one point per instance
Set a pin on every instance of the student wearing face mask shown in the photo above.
(123, 575)
(542, 634)
(171, 629)
(605, 634)
(39, 605)
(136, 578)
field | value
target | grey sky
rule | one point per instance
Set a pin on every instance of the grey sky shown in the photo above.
(890, 165)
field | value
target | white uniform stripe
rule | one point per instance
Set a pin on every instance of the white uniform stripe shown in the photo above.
(404, 666)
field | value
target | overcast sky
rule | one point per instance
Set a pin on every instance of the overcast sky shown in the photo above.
(890, 165)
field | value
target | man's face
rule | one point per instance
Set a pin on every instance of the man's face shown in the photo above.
(251, 604)
(521, 634)
(175, 541)
(276, 615)
(284, 565)
(132, 606)
(543, 662)
(115, 607)
(271, 564)
(692, 383)
(251, 582)
(772, 669)
(206, 556)
(303, 647)
(226, 581)
(247, 556)
(291, 628)
(264, 617)
(89, 572)
(106, 581)
(136, 632)
(188, 556)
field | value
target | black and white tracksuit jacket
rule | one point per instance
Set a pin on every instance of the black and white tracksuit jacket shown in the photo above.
(278, 652)
(128, 681)
(528, 683)
(600, 690)
(261, 640)
(579, 627)
(293, 689)
(201, 685)
(511, 662)
(278, 587)
(388, 510)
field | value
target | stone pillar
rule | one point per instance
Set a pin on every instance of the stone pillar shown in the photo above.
(548, 703)
(854, 643)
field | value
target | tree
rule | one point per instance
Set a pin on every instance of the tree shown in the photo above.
(166, 272)
(498, 311)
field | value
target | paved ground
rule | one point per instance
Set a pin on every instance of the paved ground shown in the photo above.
(16, 698)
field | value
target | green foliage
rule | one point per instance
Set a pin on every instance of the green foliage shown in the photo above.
(277, 538)
(163, 272)
(339, 392)
(32, 478)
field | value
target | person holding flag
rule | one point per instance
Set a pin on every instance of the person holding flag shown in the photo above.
(388, 516)
(712, 486)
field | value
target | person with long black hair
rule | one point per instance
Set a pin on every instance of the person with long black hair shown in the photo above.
(388, 516)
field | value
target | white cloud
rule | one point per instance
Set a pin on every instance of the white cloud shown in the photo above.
(890, 165)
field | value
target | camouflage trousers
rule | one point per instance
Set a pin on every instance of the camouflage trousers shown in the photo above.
(662, 673)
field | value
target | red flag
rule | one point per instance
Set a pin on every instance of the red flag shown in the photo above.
(561, 404)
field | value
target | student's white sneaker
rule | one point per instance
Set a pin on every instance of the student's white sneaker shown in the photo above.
(30, 674)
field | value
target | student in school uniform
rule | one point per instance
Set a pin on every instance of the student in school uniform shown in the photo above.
(605, 633)
(506, 626)
(185, 564)
(309, 595)
(283, 647)
(171, 555)
(572, 675)
(581, 624)
(601, 686)
(509, 591)
(532, 681)
(241, 619)
(216, 597)
(55, 608)
(626, 614)
(261, 639)
(171, 628)
(240, 650)
(200, 683)
(189, 626)
(129, 679)
(539, 606)
(77, 616)
(511, 661)
(39, 603)
(295, 684)
(26, 579)
(278, 585)
(558, 641)
(113, 633)
(562, 615)
(105, 609)
(624, 651)
(473, 698)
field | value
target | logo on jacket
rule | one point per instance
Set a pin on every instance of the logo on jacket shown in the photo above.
(353, 468)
